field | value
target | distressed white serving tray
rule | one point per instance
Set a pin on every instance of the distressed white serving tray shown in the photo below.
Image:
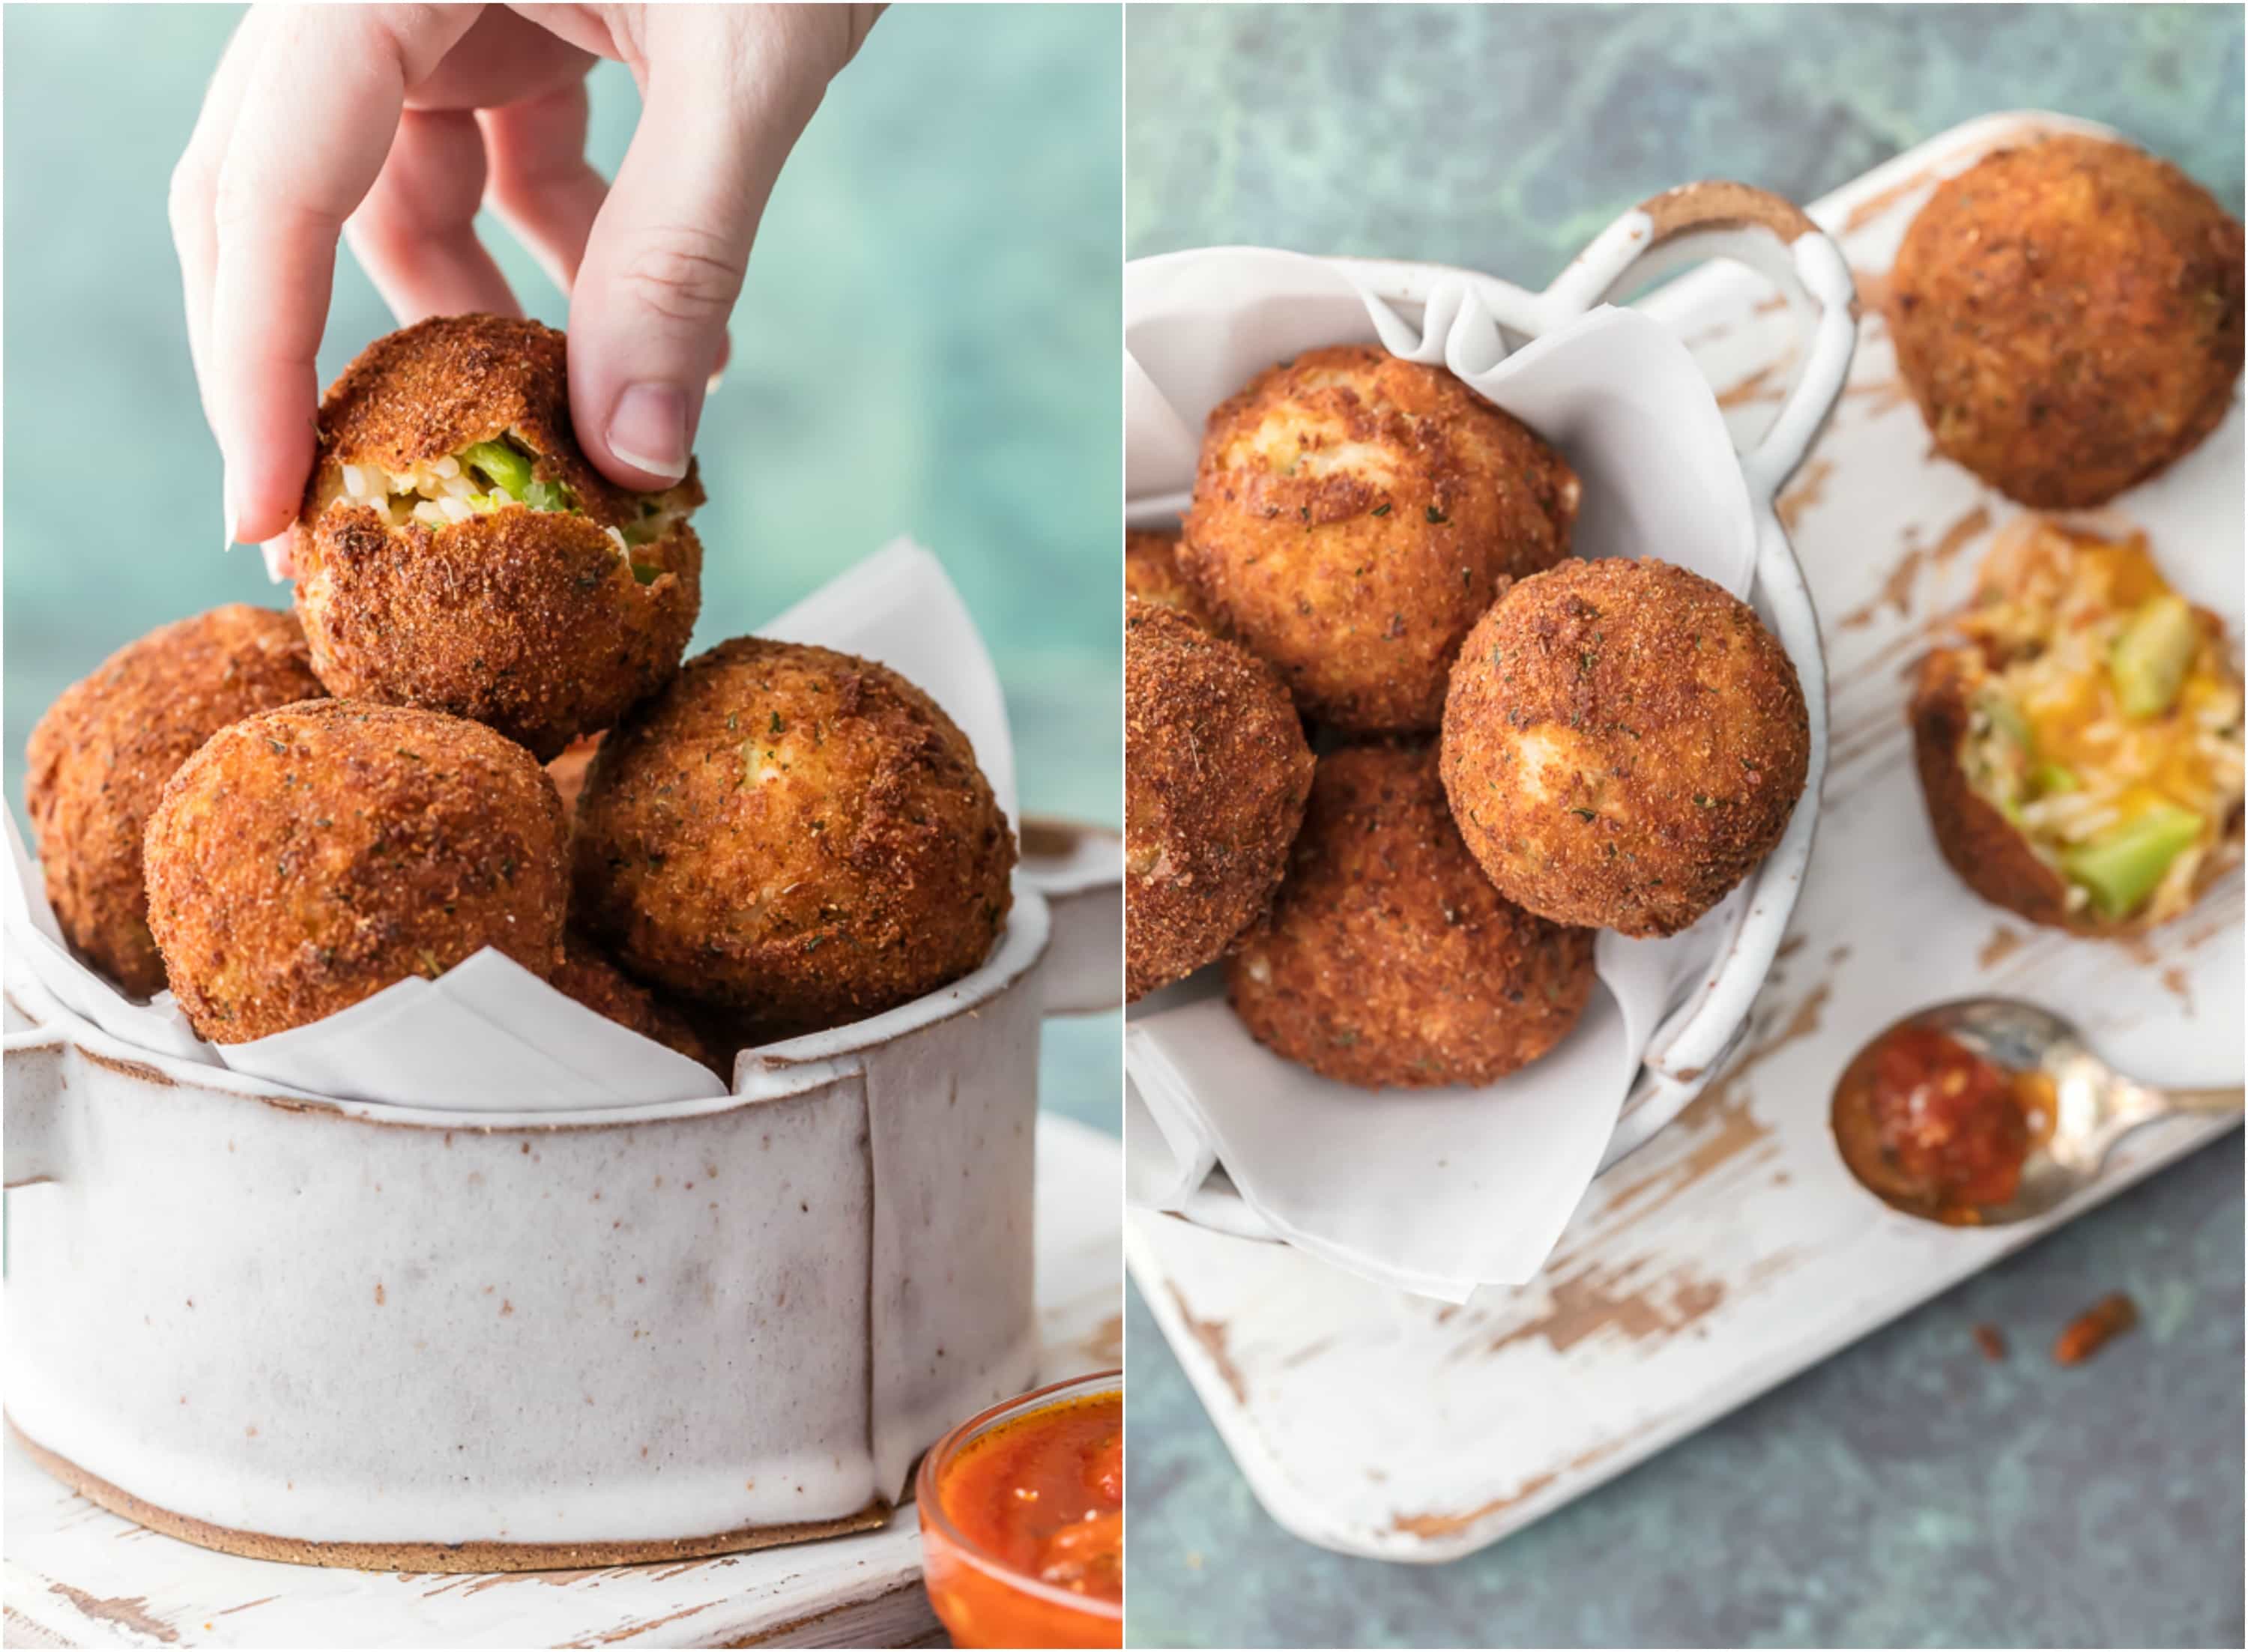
(75, 1575)
(1733, 1251)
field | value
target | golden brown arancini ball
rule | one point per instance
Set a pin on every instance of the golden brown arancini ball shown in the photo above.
(1352, 515)
(1216, 771)
(797, 835)
(100, 758)
(307, 857)
(457, 551)
(2068, 316)
(587, 974)
(1623, 742)
(1151, 573)
(1388, 958)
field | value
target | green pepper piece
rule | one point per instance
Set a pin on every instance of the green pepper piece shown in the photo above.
(503, 466)
(646, 572)
(2152, 655)
(2120, 867)
(548, 496)
(2049, 778)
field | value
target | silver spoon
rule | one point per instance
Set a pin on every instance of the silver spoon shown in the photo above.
(2088, 1108)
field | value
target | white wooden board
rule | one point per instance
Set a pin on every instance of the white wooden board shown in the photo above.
(75, 1575)
(1733, 1251)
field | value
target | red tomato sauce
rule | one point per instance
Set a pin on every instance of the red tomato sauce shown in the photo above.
(1923, 1115)
(1045, 1495)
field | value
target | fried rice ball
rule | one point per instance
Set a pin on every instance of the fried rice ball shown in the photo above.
(99, 758)
(1354, 513)
(455, 549)
(2068, 316)
(308, 857)
(1623, 742)
(1151, 573)
(588, 975)
(1388, 960)
(1216, 773)
(2078, 738)
(797, 836)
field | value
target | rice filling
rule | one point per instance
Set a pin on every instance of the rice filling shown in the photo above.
(485, 478)
(2107, 727)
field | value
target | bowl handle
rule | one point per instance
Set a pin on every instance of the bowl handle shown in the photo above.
(1080, 870)
(1714, 219)
(36, 1093)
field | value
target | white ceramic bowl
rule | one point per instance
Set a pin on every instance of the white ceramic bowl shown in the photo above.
(379, 1336)
(1683, 227)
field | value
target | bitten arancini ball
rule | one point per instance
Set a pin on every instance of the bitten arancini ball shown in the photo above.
(309, 857)
(1352, 515)
(2077, 735)
(1388, 960)
(1151, 573)
(1216, 771)
(793, 834)
(99, 758)
(1623, 742)
(457, 551)
(2068, 316)
(587, 974)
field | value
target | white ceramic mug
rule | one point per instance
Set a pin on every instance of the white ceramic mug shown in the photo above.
(379, 1336)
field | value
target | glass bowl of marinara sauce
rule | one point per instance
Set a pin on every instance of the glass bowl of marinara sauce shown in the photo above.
(1022, 1520)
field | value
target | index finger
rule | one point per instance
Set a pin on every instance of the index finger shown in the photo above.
(321, 109)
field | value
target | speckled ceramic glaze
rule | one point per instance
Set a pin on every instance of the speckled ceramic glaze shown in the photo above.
(378, 1336)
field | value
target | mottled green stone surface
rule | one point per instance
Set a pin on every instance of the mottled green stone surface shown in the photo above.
(927, 344)
(1906, 1491)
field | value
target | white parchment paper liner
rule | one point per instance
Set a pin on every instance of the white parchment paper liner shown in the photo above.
(1435, 1191)
(488, 1035)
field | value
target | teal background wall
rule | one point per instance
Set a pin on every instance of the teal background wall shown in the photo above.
(1904, 1493)
(927, 344)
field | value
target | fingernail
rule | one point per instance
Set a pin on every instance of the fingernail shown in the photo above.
(711, 388)
(648, 429)
(226, 505)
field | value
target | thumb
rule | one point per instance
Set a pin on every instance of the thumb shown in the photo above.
(727, 91)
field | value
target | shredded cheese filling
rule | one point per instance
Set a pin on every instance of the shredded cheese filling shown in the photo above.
(2070, 742)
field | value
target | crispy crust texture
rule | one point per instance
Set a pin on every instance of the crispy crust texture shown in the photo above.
(1216, 773)
(1151, 573)
(1354, 513)
(531, 621)
(425, 391)
(2069, 315)
(795, 836)
(1623, 742)
(588, 975)
(308, 857)
(99, 758)
(526, 621)
(1990, 857)
(1387, 959)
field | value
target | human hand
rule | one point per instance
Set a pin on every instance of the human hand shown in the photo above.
(392, 124)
